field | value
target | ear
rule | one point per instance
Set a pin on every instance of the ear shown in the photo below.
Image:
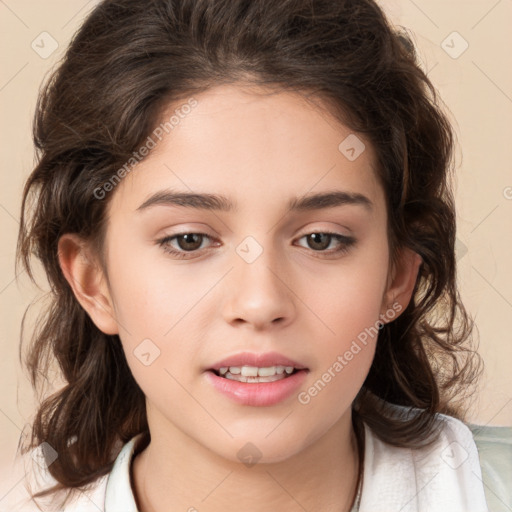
(400, 285)
(88, 282)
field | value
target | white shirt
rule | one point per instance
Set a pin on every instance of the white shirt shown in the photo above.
(443, 477)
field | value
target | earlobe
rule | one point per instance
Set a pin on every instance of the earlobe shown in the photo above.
(87, 280)
(401, 283)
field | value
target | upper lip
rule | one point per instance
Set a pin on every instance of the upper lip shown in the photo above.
(260, 360)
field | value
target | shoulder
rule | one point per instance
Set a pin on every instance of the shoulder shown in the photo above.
(111, 492)
(33, 476)
(444, 475)
(494, 446)
(90, 499)
(494, 450)
(455, 440)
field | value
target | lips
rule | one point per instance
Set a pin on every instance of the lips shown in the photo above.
(259, 360)
(227, 377)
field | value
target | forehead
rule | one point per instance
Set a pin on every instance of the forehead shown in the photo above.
(258, 147)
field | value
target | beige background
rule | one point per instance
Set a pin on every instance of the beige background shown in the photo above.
(476, 86)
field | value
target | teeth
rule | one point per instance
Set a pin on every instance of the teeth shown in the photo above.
(266, 372)
(249, 371)
(245, 372)
(241, 378)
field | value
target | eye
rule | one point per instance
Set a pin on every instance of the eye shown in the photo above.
(187, 243)
(319, 241)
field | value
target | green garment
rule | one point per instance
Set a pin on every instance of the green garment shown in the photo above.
(494, 446)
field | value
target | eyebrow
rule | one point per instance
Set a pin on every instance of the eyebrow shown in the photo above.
(216, 202)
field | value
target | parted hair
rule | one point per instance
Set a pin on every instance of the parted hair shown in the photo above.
(125, 64)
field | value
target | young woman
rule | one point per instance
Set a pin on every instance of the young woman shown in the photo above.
(245, 215)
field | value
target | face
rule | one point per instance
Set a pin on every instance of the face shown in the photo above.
(193, 286)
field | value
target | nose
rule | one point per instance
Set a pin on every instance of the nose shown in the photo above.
(259, 294)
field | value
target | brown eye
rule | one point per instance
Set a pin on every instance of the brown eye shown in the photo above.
(184, 245)
(189, 241)
(319, 241)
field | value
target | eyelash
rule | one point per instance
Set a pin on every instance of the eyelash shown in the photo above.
(346, 242)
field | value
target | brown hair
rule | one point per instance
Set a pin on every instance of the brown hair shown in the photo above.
(130, 59)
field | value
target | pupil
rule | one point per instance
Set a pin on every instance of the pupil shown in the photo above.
(316, 239)
(186, 237)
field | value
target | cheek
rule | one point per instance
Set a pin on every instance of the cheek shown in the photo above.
(350, 300)
(151, 296)
(156, 307)
(344, 353)
(347, 346)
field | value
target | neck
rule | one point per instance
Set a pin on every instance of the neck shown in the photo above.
(175, 472)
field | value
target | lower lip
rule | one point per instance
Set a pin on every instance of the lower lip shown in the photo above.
(259, 394)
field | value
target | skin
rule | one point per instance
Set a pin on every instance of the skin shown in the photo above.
(259, 150)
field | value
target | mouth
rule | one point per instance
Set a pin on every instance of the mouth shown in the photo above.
(258, 385)
(252, 368)
(254, 374)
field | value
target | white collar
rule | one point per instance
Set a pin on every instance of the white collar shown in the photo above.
(444, 476)
(119, 493)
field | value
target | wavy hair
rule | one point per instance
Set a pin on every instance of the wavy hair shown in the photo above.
(130, 59)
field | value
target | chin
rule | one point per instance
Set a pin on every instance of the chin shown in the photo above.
(250, 450)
